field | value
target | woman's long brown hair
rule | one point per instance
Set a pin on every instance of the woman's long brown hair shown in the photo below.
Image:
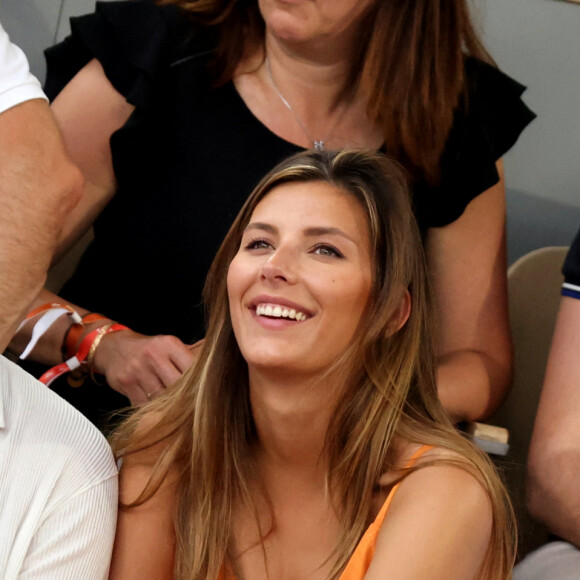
(410, 67)
(205, 424)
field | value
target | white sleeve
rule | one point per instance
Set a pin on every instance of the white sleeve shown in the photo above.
(17, 84)
(76, 539)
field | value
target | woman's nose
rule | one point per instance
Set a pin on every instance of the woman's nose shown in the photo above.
(279, 267)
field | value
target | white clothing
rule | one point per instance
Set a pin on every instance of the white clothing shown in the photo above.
(58, 486)
(553, 561)
(17, 84)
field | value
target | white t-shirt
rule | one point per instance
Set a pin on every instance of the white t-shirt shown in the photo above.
(58, 486)
(17, 84)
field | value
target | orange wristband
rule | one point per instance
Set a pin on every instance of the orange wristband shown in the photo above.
(71, 338)
(87, 348)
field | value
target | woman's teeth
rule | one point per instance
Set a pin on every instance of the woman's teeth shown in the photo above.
(276, 311)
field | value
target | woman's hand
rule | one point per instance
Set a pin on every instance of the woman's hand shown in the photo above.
(135, 365)
(139, 366)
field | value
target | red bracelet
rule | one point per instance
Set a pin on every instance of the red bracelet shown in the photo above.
(80, 357)
(71, 338)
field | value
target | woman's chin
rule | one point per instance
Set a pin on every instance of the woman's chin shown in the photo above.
(280, 368)
(288, 28)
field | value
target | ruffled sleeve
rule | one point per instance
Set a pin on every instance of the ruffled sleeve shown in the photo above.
(133, 40)
(485, 127)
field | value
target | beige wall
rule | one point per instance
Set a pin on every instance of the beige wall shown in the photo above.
(36, 24)
(538, 42)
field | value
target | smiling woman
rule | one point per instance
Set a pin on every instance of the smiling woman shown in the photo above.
(306, 249)
(308, 441)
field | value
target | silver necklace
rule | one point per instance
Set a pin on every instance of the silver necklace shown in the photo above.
(317, 143)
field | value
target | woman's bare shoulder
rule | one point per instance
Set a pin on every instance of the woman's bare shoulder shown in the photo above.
(442, 473)
(140, 466)
(144, 544)
(437, 479)
(416, 455)
(440, 505)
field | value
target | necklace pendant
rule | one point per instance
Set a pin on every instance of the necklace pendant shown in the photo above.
(319, 145)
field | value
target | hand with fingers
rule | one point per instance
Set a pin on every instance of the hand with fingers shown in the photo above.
(141, 367)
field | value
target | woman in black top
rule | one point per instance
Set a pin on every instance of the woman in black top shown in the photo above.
(174, 114)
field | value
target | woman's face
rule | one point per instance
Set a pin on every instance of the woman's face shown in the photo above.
(313, 20)
(301, 280)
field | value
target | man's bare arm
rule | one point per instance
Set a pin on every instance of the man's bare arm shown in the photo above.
(554, 459)
(39, 186)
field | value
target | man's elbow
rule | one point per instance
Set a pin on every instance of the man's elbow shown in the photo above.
(536, 495)
(541, 491)
(552, 490)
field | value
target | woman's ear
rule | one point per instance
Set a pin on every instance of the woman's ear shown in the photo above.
(401, 315)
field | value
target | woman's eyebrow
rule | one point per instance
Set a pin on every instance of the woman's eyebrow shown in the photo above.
(312, 231)
(324, 230)
(262, 226)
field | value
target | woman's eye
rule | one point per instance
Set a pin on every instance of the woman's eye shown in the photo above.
(258, 245)
(326, 250)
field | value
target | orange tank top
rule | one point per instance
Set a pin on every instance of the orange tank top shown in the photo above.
(361, 558)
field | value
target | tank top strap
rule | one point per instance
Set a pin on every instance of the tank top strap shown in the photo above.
(358, 564)
(412, 460)
(362, 556)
